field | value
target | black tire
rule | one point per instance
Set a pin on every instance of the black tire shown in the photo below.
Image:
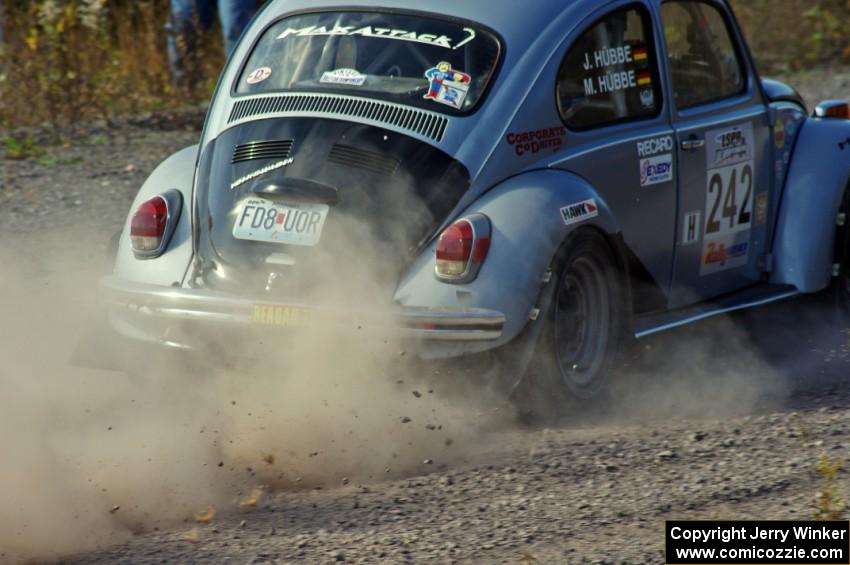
(586, 323)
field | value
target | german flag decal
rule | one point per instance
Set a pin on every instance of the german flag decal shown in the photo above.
(644, 79)
(639, 54)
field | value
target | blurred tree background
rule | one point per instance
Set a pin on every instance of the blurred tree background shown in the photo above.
(791, 35)
(62, 61)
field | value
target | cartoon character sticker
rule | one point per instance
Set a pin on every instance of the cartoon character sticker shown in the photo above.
(447, 86)
(259, 75)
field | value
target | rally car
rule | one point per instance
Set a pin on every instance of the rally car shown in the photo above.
(549, 179)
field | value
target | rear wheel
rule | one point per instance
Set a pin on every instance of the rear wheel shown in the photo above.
(587, 316)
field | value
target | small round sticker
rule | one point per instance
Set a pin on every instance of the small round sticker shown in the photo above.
(259, 75)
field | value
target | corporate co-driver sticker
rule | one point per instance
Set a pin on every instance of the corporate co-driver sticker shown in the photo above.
(533, 142)
(447, 85)
(259, 75)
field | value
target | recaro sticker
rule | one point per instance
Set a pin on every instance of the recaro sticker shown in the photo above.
(730, 193)
(349, 77)
(579, 212)
(654, 146)
(656, 160)
(447, 86)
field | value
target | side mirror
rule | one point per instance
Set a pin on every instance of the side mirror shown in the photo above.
(836, 109)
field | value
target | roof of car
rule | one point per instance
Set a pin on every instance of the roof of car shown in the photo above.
(519, 25)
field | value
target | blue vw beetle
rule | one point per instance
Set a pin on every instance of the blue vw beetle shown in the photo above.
(551, 180)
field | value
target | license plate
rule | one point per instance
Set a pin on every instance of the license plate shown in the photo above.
(283, 316)
(278, 222)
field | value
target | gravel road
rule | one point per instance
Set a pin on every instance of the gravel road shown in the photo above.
(580, 493)
(740, 436)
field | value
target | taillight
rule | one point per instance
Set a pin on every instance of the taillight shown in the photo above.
(454, 249)
(153, 224)
(148, 224)
(462, 248)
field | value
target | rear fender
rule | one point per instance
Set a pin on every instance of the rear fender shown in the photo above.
(528, 227)
(176, 172)
(804, 248)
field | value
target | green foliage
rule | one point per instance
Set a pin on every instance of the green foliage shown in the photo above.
(54, 161)
(67, 61)
(22, 148)
(829, 504)
(790, 35)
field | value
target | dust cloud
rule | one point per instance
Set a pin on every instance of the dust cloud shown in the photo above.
(713, 369)
(91, 456)
(751, 362)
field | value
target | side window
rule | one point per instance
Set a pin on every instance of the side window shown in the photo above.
(610, 74)
(704, 65)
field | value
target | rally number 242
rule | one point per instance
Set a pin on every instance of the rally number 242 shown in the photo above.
(724, 189)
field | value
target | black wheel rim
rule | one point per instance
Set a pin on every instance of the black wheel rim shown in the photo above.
(582, 323)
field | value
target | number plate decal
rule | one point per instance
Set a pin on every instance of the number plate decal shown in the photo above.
(729, 199)
(278, 222)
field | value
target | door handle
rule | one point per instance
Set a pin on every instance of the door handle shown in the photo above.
(693, 144)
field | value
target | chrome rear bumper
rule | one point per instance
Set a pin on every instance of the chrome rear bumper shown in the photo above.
(152, 312)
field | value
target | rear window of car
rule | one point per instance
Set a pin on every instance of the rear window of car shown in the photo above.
(438, 64)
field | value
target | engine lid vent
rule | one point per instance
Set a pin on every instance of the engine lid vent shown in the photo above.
(413, 120)
(278, 149)
(363, 159)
